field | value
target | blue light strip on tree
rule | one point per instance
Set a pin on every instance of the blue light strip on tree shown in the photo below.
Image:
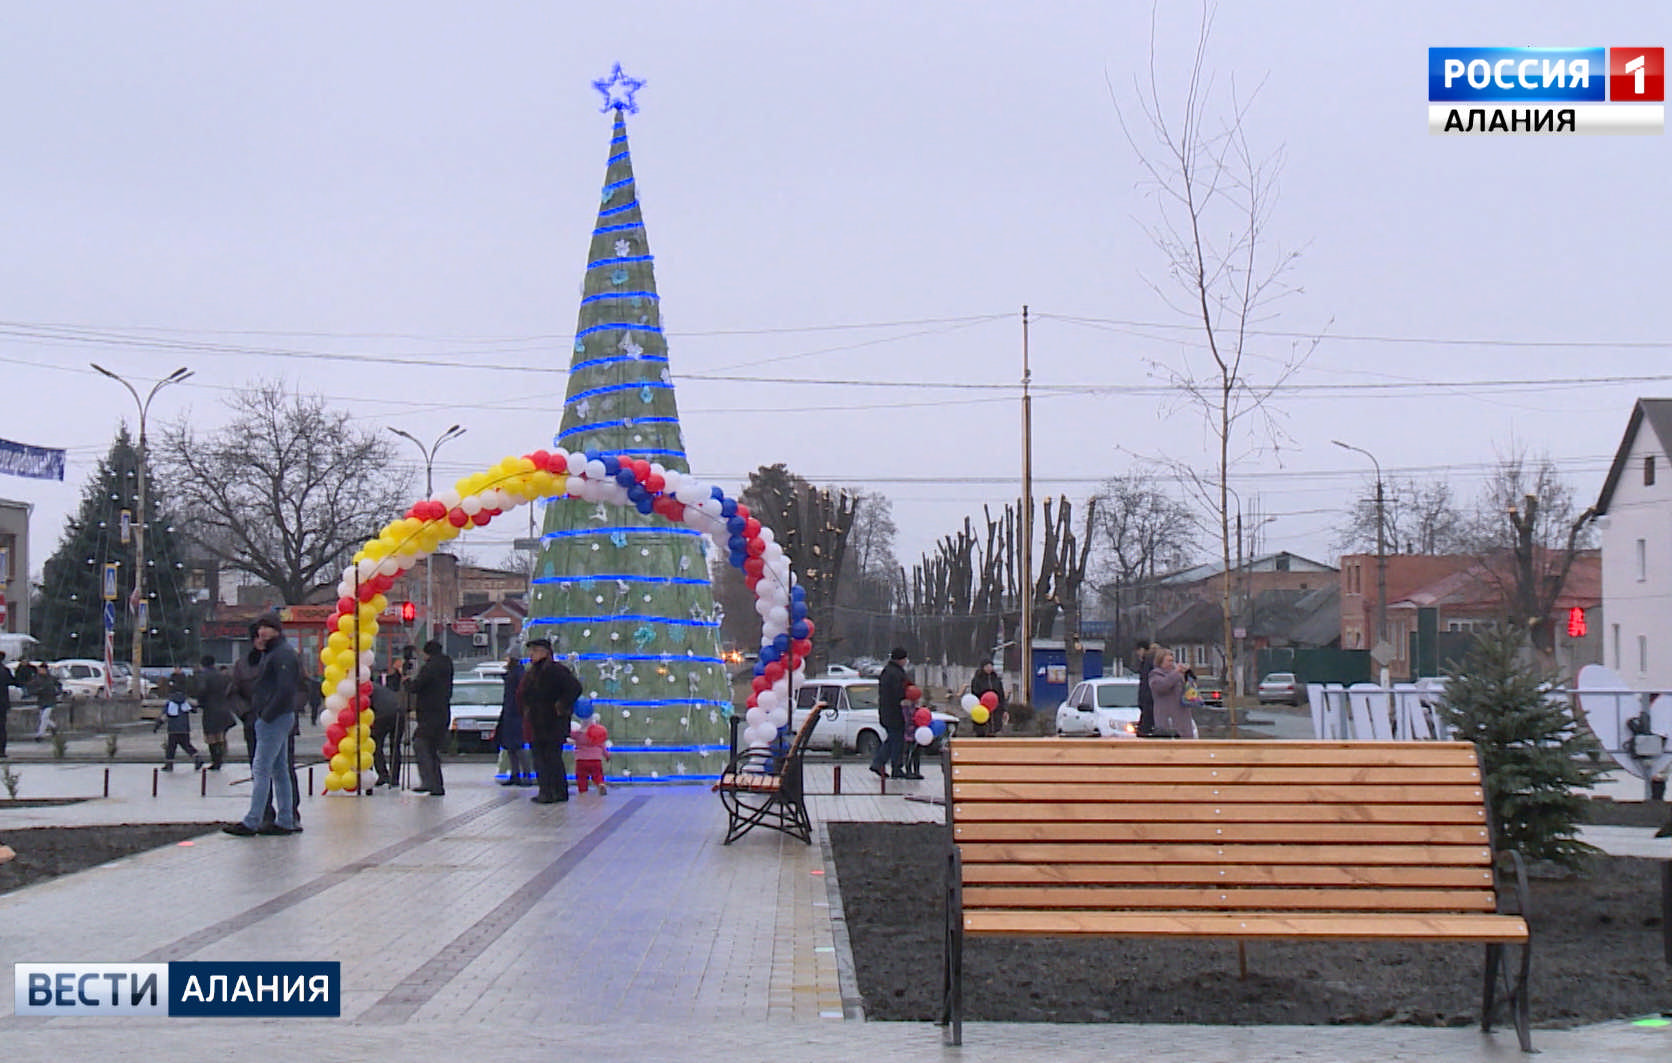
(616, 359)
(623, 227)
(617, 210)
(690, 581)
(639, 452)
(624, 618)
(625, 704)
(620, 261)
(610, 389)
(613, 185)
(641, 530)
(624, 422)
(606, 327)
(602, 296)
(648, 657)
(616, 158)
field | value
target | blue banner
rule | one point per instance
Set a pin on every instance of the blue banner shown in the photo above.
(37, 463)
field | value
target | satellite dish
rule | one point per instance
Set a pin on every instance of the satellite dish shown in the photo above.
(1615, 712)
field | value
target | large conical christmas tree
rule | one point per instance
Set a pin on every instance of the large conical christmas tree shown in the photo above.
(625, 597)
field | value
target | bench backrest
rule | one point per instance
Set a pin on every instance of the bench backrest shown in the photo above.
(1221, 825)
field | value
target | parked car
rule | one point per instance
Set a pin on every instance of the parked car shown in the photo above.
(85, 677)
(1106, 707)
(1280, 687)
(1212, 690)
(489, 670)
(842, 671)
(855, 703)
(475, 711)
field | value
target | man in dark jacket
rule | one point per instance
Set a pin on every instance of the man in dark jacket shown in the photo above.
(518, 771)
(891, 695)
(388, 732)
(212, 688)
(986, 680)
(273, 704)
(7, 681)
(432, 693)
(1146, 697)
(547, 696)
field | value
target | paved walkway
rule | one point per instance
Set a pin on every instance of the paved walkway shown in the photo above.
(619, 923)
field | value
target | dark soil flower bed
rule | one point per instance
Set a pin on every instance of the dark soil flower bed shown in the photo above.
(1597, 954)
(47, 852)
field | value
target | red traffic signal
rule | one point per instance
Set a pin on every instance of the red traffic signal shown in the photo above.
(409, 612)
(1576, 622)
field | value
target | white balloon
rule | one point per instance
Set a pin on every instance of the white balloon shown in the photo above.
(346, 688)
(367, 567)
(327, 715)
(780, 717)
(969, 701)
(764, 735)
(388, 567)
(336, 703)
(768, 538)
(595, 470)
(924, 736)
(448, 498)
(756, 716)
(368, 658)
(711, 506)
(799, 675)
(576, 463)
(767, 700)
(693, 516)
(778, 617)
(472, 505)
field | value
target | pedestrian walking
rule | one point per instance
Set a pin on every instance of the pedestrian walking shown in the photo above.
(1146, 697)
(432, 692)
(273, 704)
(212, 688)
(591, 752)
(519, 770)
(891, 697)
(547, 696)
(177, 716)
(46, 688)
(986, 680)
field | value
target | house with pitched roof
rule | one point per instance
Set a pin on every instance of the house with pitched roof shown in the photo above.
(1634, 516)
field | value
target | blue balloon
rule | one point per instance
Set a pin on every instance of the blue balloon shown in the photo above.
(798, 593)
(799, 629)
(583, 707)
(760, 669)
(612, 464)
(735, 525)
(625, 477)
(728, 508)
(737, 558)
(937, 727)
(591, 453)
(738, 545)
(798, 610)
(718, 495)
(769, 654)
(646, 505)
(781, 643)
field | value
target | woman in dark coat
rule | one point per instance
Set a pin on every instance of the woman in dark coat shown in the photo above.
(519, 772)
(986, 679)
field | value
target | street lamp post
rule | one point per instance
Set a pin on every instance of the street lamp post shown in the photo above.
(1381, 545)
(138, 599)
(429, 491)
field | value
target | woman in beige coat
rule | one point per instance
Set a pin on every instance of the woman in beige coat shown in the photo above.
(1166, 682)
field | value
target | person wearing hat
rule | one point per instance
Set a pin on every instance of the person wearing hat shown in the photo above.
(519, 770)
(273, 706)
(432, 697)
(547, 696)
(891, 696)
(985, 681)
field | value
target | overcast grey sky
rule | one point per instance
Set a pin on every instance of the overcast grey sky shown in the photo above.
(419, 181)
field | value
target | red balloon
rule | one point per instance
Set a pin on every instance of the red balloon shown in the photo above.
(755, 567)
(345, 605)
(757, 547)
(641, 470)
(368, 591)
(331, 621)
(922, 718)
(596, 734)
(913, 692)
(802, 647)
(743, 511)
(809, 623)
(542, 459)
(346, 718)
(334, 734)
(655, 482)
(751, 528)
(991, 700)
(752, 581)
(365, 688)
(759, 683)
(774, 671)
(412, 512)
(481, 518)
(328, 750)
(457, 517)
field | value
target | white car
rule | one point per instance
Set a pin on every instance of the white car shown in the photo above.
(84, 677)
(1106, 707)
(841, 671)
(475, 711)
(855, 703)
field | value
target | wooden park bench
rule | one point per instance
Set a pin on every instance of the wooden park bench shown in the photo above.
(763, 787)
(1239, 840)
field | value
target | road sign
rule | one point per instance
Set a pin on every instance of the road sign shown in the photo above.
(468, 626)
(110, 581)
(110, 616)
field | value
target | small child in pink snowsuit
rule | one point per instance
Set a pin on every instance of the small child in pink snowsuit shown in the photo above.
(590, 754)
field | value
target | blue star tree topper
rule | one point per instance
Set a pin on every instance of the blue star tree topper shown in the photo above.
(618, 90)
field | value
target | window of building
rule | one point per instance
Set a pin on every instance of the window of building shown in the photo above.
(1642, 560)
(1642, 654)
(1649, 470)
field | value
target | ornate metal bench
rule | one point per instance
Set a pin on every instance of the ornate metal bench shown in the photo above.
(763, 787)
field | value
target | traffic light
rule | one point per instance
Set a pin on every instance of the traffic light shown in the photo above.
(1576, 622)
(409, 612)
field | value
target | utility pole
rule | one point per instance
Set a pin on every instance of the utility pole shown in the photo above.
(1025, 637)
(429, 492)
(1381, 549)
(137, 601)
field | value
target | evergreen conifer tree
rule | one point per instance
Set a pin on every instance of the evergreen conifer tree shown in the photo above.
(70, 619)
(1535, 759)
(625, 596)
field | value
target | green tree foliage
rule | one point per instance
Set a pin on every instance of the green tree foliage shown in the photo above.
(1534, 758)
(70, 619)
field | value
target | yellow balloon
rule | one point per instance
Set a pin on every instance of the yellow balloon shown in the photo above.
(366, 717)
(333, 678)
(333, 781)
(979, 714)
(327, 687)
(379, 602)
(350, 781)
(340, 763)
(348, 744)
(338, 641)
(365, 759)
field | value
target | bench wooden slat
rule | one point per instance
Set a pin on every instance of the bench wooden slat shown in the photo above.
(1381, 926)
(1095, 853)
(1223, 774)
(1041, 792)
(1393, 876)
(1127, 752)
(1212, 831)
(1152, 812)
(1248, 900)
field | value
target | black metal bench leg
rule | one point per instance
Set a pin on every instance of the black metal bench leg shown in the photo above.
(1520, 1002)
(1489, 989)
(952, 980)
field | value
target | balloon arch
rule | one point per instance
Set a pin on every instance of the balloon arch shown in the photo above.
(786, 632)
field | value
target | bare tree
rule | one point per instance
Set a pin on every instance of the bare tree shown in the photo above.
(870, 579)
(1422, 518)
(1224, 273)
(287, 490)
(1139, 533)
(1527, 531)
